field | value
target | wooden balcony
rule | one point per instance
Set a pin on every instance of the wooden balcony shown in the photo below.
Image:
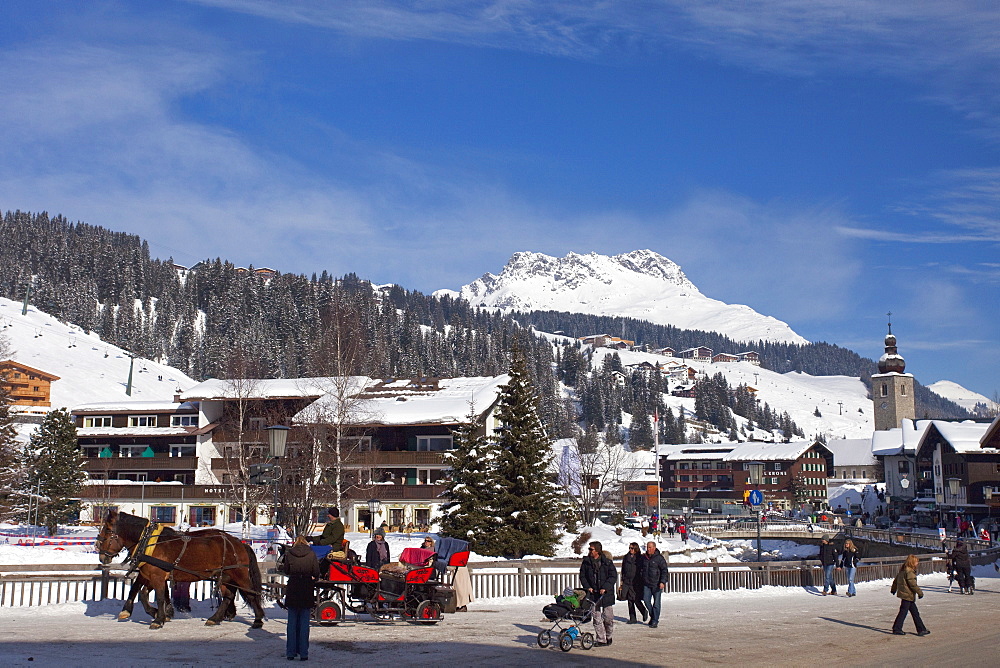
(155, 463)
(194, 493)
(380, 459)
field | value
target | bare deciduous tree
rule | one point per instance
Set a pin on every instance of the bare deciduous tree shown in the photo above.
(593, 474)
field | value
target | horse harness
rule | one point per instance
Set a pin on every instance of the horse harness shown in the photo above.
(150, 538)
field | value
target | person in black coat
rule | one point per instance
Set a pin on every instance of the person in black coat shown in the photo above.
(302, 568)
(598, 576)
(632, 583)
(828, 555)
(963, 566)
(377, 554)
(654, 572)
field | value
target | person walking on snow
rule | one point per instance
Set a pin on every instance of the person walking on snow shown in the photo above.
(654, 578)
(828, 557)
(598, 576)
(906, 589)
(632, 583)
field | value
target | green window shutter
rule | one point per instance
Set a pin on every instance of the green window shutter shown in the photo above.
(148, 452)
(411, 443)
(411, 476)
(106, 452)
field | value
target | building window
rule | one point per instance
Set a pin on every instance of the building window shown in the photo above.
(256, 423)
(396, 517)
(92, 451)
(904, 466)
(777, 466)
(885, 389)
(706, 465)
(142, 420)
(433, 443)
(134, 476)
(355, 444)
(132, 450)
(163, 514)
(183, 450)
(183, 420)
(902, 390)
(202, 516)
(97, 421)
(685, 478)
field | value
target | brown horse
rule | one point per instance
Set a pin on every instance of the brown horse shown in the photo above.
(163, 554)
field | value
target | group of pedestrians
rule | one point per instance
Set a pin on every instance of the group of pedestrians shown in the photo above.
(643, 581)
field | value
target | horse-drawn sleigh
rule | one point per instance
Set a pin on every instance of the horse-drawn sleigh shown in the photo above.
(419, 594)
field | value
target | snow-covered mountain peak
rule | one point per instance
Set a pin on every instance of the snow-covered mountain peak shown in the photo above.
(640, 284)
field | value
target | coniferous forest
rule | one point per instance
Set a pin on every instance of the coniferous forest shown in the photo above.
(218, 321)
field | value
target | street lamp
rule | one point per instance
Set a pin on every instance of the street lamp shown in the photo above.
(374, 505)
(756, 473)
(953, 484)
(277, 438)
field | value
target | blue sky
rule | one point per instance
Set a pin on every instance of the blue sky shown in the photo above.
(821, 161)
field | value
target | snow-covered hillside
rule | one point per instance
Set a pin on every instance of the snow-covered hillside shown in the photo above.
(641, 284)
(89, 370)
(967, 399)
(797, 393)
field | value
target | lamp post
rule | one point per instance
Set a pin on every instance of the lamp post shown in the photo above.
(374, 505)
(953, 485)
(277, 438)
(756, 473)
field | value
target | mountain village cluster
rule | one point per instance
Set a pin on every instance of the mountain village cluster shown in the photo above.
(196, 454)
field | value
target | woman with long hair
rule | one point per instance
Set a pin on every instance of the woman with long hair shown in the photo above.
(906, 588)
(302, 569)
(631, 586)
(849, 560)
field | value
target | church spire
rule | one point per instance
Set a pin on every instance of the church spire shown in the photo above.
(891, 361)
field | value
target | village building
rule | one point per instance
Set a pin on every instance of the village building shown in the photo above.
(182, 461)
(697, 353)
(29, 387)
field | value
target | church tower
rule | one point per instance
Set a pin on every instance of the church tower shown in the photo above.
(892, 390)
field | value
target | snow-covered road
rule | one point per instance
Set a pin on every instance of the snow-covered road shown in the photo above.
(774, 626)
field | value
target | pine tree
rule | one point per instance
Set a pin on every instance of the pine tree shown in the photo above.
(470, 511)
(528, 493)
(57, 468)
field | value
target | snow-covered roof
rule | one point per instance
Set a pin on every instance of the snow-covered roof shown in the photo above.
(752, 451)
(851, 451)
(260, 388)
(134, 407)
(992, 436)
(406, 402)
(963, 437)
(697, 451)
(901, 440)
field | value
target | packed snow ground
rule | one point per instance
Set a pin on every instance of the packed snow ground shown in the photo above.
(739, 627)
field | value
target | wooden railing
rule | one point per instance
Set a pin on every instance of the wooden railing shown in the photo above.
(154, 463)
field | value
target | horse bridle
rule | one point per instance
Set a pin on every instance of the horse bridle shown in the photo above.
(112, 536)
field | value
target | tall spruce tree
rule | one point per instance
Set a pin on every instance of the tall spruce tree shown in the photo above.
(470, 511)
(54, 459)
(528, 495)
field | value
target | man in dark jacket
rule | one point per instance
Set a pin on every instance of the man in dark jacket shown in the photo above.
(828, 554)
(963, 566)
(377, 554)
(333, 533)
(302, 569)
(598, 575)
(654, 581)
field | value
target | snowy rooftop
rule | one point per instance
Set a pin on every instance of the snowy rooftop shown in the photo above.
(748, 452)
(850, 451)
(445, 401)
(901, 440)
(260, 388)
(964, 437)
(135, 407)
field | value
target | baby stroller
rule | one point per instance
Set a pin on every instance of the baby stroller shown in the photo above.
(567, 620)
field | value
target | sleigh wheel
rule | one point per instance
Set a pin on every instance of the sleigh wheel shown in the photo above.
(328, 612)
(428, 612)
